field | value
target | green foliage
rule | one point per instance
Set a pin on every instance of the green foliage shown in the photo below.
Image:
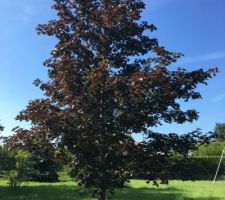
(44, 170)
(16, 166)
(21, 171)
(212, 149)
(44, 156)
(200, 168)
(203, 162)
(220, 131)
(7, 159)
(46, 162)
(14, 180)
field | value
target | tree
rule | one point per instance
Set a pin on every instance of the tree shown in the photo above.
(109, 79)
(16, 166)
(7, 159)
(21, 169)
(42, 153)
(219, 131)
(1, 128)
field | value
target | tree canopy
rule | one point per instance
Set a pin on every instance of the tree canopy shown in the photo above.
(1, 128)
(109, 78)
(219, 131)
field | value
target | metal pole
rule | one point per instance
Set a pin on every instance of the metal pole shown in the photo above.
(218, 165)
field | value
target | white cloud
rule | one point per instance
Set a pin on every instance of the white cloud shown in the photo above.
(218, 98)
(204, 57)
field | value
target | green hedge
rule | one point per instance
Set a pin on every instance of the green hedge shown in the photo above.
(192, 168)
(198, 168)
(205, 160)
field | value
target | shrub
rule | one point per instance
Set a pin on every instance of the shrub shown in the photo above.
(44, 170)
(21, 171)
(199, 168)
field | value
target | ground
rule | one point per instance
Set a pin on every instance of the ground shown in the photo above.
(136, 190)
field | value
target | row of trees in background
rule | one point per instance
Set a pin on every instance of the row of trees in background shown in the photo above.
(19, 165)
(42, 162)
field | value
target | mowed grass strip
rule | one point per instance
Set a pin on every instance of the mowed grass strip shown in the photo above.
(136, 190)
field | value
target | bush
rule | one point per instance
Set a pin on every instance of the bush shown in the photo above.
(22, 170)
(203, 163)
(198, 168)
(44, 170)
(14, 180)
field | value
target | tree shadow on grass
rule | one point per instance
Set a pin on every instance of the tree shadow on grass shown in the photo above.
(202, 198)
(47, 192)
(65, 192)
(145, 193)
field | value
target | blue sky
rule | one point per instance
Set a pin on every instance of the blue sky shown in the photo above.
(193, 27)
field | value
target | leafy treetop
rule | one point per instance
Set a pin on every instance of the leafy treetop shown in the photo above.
(219, 131)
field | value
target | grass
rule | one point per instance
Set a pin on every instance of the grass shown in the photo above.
(136, 190)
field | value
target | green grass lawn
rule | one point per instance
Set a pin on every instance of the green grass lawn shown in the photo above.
(136, 190)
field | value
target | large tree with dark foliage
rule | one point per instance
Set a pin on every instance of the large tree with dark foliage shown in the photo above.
(108, 79)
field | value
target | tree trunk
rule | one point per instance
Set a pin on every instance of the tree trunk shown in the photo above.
(102, 194)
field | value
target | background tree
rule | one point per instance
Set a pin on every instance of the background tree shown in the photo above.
(21, 169)
(108, 79)
(7, 161)
(16, 166)
(42, 153)
(219, 131)
(1, 128)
